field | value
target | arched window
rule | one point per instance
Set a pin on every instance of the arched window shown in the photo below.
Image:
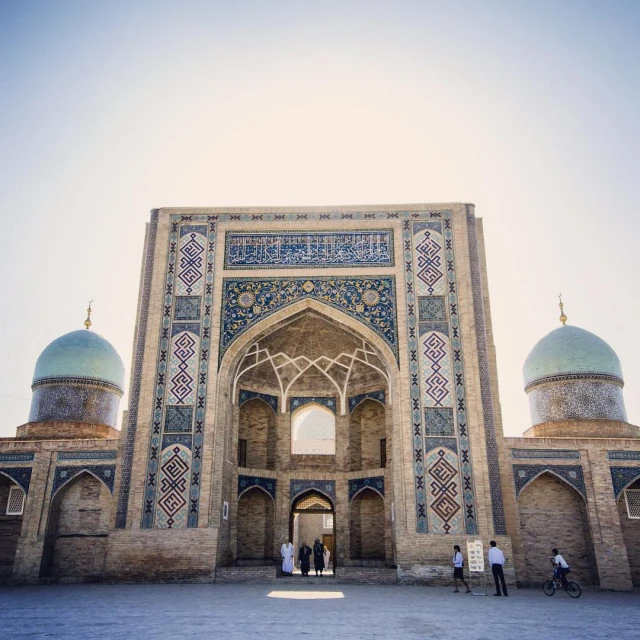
(313, 431)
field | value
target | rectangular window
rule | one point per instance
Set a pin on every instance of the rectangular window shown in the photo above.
(632, 498)
(242, 453)
(383, 453)
(15, 504)
(327, 521)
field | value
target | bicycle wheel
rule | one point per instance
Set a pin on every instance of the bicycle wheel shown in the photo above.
(549, 587)
(574, 589)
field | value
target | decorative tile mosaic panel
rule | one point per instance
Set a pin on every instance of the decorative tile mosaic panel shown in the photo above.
(106, 473)
(20, 475)
(110, 454)
(248, 482)
(523, 474)
(17, 457)
(187, 308)
(354, 401)
(621, 477)
(621, 455)
(297, 487)
(358, 484)
(566, 454)
(172, 493)
(296, 403)
(432, 308)
(369, 299)
(316, 249)
(436, 367)
(438, 443)
(245, 395)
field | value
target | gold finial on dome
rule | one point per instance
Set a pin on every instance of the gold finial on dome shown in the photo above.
(563, 318)
(87, 322)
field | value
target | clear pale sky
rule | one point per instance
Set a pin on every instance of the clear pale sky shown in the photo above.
(527, 109)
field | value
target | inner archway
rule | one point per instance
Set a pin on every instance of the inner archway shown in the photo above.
(367, 526)
(629, 512)
(255, 528)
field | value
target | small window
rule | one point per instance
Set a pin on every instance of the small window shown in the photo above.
(313, 431)
(383, 453)
(327, 520)
(15, 504)
(632, 498)
(242, 452)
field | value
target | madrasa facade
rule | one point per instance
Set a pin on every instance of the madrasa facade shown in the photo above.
(317, 372)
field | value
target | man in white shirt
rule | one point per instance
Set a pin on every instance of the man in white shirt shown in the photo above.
(562, 568)
(496, 560)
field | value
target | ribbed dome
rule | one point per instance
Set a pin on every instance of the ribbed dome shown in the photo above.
(570, 350)
(80, 354)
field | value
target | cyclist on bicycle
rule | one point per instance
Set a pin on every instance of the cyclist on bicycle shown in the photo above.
(561, 567)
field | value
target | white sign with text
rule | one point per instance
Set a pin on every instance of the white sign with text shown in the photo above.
(475, 556)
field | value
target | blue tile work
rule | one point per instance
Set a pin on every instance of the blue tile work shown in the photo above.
(357, 485)
(110, 454)
(523, 474)
(354, 401)
(566, 454)
(315, 249)
(17, 457)
(296, 403)
(187, 308)
(106, 473)
(369, 299)
(445, 499)
(173, 481)
(247, 482)
(438, 443)
(621, 477)
(246, 395)
(20, 475)
(493, 463)
(136, 376)
(327, 487)
(432, 308)
(617, 455)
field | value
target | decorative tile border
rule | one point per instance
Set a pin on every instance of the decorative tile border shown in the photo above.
(622, 477)
(246, 395)
(327, 487)
(617, 455)
(311, 249)
(248, 482)
(437, 443)
(297, 402)
(110, 454)
(493, 463)
(523, 474)
(106, 473)
(354, 401)
(20, 475)
(566, 454)
(358, 484)
(369, 299)
(17, 457)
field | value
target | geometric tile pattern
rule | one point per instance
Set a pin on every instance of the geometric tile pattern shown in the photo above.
(523, 474)
(17, 457)
(431, 308)
(172, 490)
(20, 475)
(436, 367)
(314, 249)
(354, 401)
(187, 308)
(369, 299)
(106, 473)
(110, 454)
(328, 487)
(358, 484)
(246, 395)
(622, 477)
(247, 482)
(439, 442)
(623, 455)
(566, 454)
(296, 403)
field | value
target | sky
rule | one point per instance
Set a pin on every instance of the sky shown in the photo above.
(526, 109)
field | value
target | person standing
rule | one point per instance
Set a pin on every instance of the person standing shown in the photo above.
(287, 553)
(496, 560)
(318, 557)
(327, 556)
(303, 559)
(458, 569)
(562, 568)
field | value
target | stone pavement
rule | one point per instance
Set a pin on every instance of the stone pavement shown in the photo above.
(316, 611)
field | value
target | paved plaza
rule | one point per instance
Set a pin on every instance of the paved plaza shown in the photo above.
(313, 611)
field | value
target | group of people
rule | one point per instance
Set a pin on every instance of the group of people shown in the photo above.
(321, 556)
(496, 561)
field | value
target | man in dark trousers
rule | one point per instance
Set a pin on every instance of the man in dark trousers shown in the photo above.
(303, 559)
(496, 560)
(318, 556)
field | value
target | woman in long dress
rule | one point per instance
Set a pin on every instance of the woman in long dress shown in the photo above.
(327, 555)
(287, 553)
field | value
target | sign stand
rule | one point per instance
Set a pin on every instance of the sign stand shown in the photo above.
(475, 554)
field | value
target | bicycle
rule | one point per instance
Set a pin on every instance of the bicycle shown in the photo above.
(573, 588)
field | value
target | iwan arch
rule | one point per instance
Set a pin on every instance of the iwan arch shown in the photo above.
(317, 372)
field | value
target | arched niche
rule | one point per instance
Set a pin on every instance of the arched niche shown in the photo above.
(77, 529)
(10, 524)
(628, 510)
(256, 435)
(368, 442)
(553, 514)
(313, 430)
(367, 526)
(255, 527)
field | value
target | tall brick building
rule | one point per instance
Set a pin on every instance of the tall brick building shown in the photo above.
(317, 372)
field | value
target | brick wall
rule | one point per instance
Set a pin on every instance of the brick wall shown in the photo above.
(258, 428)
(631, 536)
(367, 428)
(10, 527)
(255, 526)
(367, 526)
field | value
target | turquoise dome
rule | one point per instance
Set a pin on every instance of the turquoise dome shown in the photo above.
(570, 350)
(80, 354)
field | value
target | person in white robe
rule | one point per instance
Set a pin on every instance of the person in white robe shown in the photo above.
(287, 553)
(327, 555)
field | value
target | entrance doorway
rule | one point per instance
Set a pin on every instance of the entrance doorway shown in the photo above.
(313, 516)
